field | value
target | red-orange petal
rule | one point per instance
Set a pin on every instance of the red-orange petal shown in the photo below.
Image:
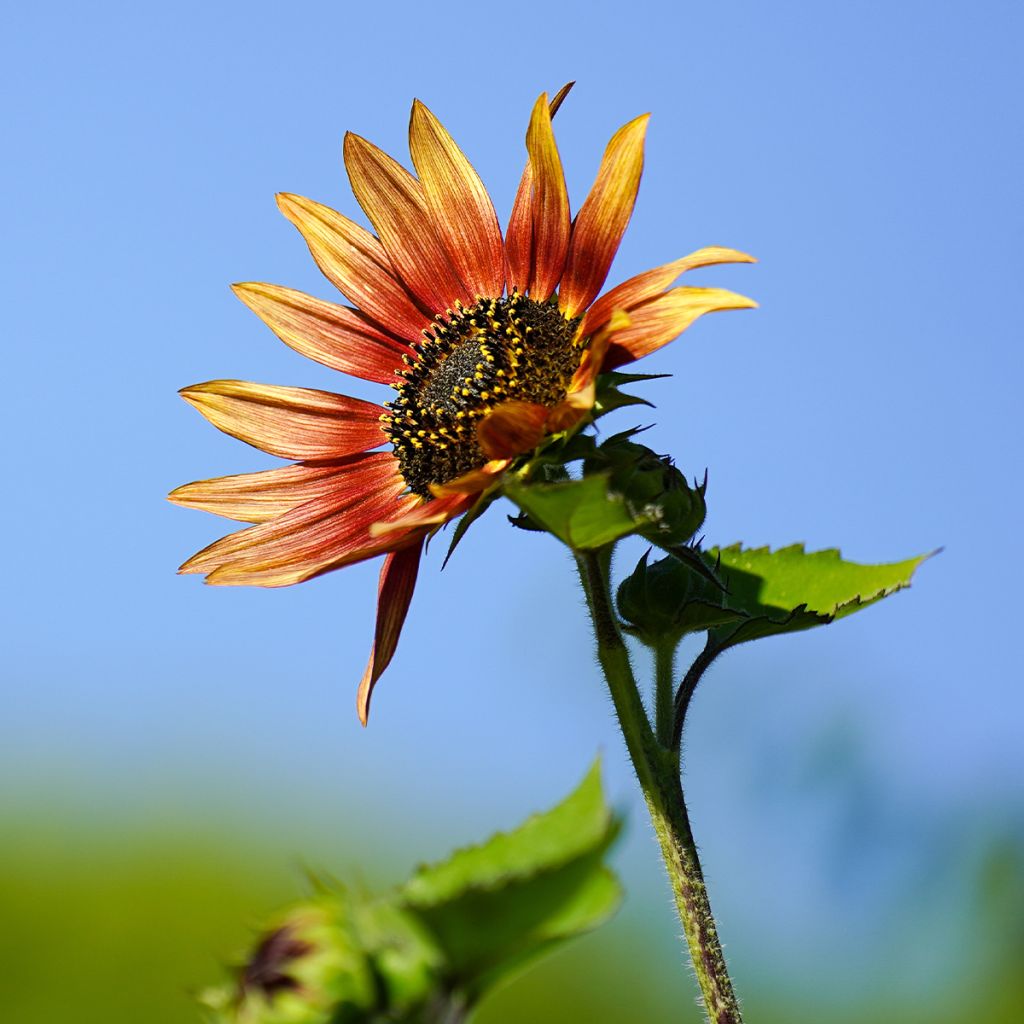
(426, 514)
(659, 321)
(511, 428)
(295, 423)
(650, 283)
(393, 200)
(603, 217)
(343, 339)
(324, 533)
(473, 482)
(394, 593)
(459, 204)
(356, 264)
(582, 391)
(551, 223)
(519, 235)
(260, 497)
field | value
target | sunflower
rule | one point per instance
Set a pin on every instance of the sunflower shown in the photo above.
(492, 344)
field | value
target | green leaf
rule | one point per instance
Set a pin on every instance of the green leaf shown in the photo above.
(580, 513)
(494, 907)
(791, 589)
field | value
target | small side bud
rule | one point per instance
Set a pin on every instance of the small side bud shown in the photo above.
(654, 490)
(657, 599)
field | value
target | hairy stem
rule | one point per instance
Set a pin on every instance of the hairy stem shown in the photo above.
(686, 689)
(664, 692)
(657, 768)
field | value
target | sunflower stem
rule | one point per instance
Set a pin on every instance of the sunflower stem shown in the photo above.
(664, 691)
(658, 769)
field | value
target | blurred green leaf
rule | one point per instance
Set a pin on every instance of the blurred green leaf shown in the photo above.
(581, 823)
(496, 906)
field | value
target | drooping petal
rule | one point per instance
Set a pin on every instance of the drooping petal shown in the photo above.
(343, 339)
(511, 428)
(260, 497)
(551, 224)
(473, 482)
(519, 235)
(429, 513)
(394, 593)
(650, 283)
(393, 201)
(356, 264)
(324, 533)
(659, 321)
(295, 423)
(459, 204)
(603, 217)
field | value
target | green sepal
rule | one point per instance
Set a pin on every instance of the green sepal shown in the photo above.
(610, 397)
(475, 511)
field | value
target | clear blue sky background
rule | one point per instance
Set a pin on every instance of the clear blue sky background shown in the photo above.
(870, 154)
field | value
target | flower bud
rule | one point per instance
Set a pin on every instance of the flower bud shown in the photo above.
(307, 968)
(654, 490)
(657, 600)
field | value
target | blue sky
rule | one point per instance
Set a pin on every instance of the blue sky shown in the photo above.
(870, 155)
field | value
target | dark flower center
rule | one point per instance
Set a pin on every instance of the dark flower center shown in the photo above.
(472, 360)
(266, 971)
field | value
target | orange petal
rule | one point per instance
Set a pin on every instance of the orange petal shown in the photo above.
(355, 263)
(512, 428)
(324, 533)
(519, 236)
(393, 200)
(260, 497)
(659, 321)
(427, 513)
(459, 204)
(650, 283)
(341, 338)
(295, 423)
(394, 593)
(550, 203)
(473, 482)
(582, 391)
(603, 217)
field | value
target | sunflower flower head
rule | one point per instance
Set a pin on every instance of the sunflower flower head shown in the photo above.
(493, 342)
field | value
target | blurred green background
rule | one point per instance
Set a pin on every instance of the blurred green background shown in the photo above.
(114, 918)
